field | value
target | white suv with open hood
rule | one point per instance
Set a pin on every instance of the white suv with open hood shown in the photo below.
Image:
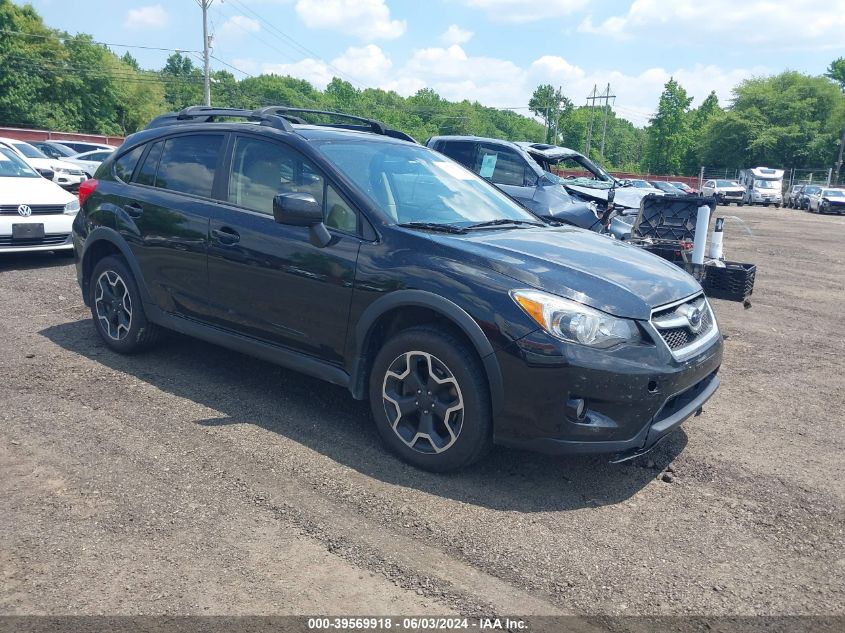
(35, 214)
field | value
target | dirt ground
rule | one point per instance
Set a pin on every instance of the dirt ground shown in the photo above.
(191, 480)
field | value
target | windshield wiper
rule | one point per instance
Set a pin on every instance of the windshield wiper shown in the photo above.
(433, 226)
(501, 222)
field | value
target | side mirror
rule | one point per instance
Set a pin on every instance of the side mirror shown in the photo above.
(301, 209)
(46, 173)
(611, 196)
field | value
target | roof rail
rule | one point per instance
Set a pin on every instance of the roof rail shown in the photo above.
(206, 114)
(280, 117)
(289, 113)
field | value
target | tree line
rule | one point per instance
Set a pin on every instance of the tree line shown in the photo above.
(54, 80)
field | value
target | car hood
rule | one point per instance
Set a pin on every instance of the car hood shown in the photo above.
(606, 274)
(629, 197)
(32, 191)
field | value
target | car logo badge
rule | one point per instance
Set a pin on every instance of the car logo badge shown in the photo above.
(694, 318)
(24, 210)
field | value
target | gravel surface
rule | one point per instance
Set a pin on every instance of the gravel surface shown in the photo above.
(192, 480)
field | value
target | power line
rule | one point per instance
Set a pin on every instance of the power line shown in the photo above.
(281, 35)
(65, 39)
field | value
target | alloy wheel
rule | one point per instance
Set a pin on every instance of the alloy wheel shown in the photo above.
(113, 305)
(423, 402)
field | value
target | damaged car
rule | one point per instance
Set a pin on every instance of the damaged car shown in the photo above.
(523, 171)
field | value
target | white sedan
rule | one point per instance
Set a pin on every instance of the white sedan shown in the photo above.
(89, 161)
(35, 214)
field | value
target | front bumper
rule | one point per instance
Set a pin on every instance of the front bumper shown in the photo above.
(70, 182)
(57, 233)
(635, 395)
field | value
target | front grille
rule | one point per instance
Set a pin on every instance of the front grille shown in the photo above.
(37, 209)
(732, 194)
(679, 337)
(674, 326)
(51, 239)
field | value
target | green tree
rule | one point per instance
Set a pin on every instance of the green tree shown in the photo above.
(669, 131)
(836, 71)
(551, 105)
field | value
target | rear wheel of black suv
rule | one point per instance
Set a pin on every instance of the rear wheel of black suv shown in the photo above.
(117, 309)
(430, 400)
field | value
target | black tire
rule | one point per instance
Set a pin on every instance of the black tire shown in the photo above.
(120, 321)
(455, 371)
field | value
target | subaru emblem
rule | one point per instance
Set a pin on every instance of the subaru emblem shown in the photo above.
(24, 210)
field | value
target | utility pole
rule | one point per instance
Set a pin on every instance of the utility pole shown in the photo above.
(591, 97)
(607, 98)
(206, 45)
(839, 160)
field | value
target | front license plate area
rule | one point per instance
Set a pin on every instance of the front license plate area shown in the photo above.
(27, 231)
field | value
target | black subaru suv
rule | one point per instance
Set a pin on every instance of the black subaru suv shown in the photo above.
(340, 250)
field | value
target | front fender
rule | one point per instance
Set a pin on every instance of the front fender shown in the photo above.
(449, 310)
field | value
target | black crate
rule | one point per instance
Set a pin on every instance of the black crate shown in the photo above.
(734, 282)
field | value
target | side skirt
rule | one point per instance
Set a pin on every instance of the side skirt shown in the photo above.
(250, 346)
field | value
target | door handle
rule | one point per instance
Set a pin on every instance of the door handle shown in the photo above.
(133, 209)
(226, 235)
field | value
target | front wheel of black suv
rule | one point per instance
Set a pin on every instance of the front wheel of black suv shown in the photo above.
(430, 400)
(117, 309)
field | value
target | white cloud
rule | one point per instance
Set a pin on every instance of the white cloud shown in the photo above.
(237, 27)
(455, 35)
(367, 19)
(807, 23)
(150, 17)
(455, 75)
(520, 11)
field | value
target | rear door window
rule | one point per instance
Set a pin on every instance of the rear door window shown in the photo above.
(461, 151)
(188, 164)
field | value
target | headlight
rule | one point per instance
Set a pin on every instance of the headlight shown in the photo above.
(574, 322)
(72, 207)
(61, 170)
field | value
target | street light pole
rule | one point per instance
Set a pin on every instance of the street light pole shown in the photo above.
(204, 4)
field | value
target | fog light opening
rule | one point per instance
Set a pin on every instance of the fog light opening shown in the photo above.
(576, 409)
(652, 386)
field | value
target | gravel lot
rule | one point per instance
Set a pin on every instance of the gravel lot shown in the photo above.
(191, 480)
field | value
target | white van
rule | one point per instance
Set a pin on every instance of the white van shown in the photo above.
(35, 213)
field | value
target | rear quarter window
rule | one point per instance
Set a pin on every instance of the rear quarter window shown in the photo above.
(124, 166)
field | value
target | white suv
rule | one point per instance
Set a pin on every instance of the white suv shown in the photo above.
(725, 191)
(35, 214)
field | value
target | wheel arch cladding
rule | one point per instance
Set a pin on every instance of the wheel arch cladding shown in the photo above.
(102, 242)
(406, 308)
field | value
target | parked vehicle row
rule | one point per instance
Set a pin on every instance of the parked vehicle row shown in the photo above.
(65, 174)
(386, 267)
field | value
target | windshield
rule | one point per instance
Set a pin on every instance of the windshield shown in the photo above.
(59, 149)
(580, 171)
(727, 183)
(641, 184)
(765, 184)
(28, 150)
(834, 193)
(11, 166)
(414, 184)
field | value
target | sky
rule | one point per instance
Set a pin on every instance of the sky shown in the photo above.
(493, 51)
